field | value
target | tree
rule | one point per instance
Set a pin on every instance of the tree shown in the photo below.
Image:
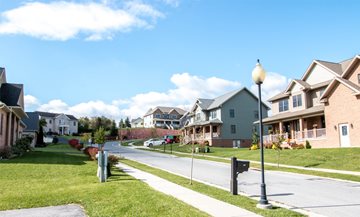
(127, 122)
(100, 136)
(40, 136)
(113, 130)
(84, 125)
(122, 124)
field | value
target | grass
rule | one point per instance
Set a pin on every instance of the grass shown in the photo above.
(216, 193)
(205, 156)
(58, 175)
(329, 158)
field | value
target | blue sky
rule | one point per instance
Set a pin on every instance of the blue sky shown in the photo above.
(119, 58)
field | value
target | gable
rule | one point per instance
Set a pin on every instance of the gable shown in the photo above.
(62, 117)
(318, 74)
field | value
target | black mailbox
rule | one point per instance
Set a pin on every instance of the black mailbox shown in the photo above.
(242, 166)
(237, 166)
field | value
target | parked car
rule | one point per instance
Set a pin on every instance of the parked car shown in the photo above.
(154, 142)
(171, 139)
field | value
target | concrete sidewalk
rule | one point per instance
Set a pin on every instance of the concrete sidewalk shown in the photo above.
(71, 210)
(202, 202)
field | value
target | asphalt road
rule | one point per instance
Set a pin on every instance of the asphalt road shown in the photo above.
(315, 194)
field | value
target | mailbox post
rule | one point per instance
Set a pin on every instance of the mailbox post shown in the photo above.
(237, 167)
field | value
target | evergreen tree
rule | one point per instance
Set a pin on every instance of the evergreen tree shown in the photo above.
(127, 122)
(113, 130)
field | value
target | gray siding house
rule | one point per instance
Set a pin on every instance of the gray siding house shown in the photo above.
(226, 121)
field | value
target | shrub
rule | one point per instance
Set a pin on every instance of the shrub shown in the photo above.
(268, 145)
(5, 152)
(91, 152)
(254, 147)
(307, 144)
(55, 140)
(79, 146)
(73, 142)
(299, 146)
(21, 146)
(113, 160)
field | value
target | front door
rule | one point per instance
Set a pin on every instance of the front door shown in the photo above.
(344, 135)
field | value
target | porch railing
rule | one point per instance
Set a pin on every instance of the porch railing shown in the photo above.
(299, 135)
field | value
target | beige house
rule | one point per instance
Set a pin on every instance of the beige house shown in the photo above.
(163, 117)
(321, 107)
(11, 111)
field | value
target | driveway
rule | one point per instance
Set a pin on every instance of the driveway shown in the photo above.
(319, 195)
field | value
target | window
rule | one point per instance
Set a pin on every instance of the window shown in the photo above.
(166, 116)
(50, 121)
(197, 117)
(233, 129)
(59, 121)
(283, 105)
(213, 114)
(174, 116)
(74, 124)
(256, 114)
(322, 91)
(297, 101)
(232, 113)
(358, 78)
(157, 116)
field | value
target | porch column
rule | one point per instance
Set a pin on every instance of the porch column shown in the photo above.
(203, 132)
(301, 122)
(211, 135)
(9, 129)
(280, 127)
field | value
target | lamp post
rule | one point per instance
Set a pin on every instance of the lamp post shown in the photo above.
(258, 75)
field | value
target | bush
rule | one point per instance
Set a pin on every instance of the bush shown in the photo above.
(91, 152)
(254, 147)
(5, 152)
(113, 160)
(21, 146)
(55, 140)
(307, 144)
(268, 145)
(73, 142)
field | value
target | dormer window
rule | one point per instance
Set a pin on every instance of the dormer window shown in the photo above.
(297, 101)
(283, 105)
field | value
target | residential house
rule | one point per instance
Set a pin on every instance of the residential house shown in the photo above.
(163, 117)
(321, 107)
(11, 111)
(62, 124)
(137, 123)
(32, 126)
(225, 121)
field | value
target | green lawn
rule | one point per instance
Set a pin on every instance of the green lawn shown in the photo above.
(219, 194)
(334, 158)
(58, 175)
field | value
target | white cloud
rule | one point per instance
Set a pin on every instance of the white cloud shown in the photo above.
(187, 89)
(174, 3)
(274, 84)
(30, 100)
(62, 20)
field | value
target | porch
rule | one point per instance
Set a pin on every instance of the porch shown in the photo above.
(201, 134)
(299, 136)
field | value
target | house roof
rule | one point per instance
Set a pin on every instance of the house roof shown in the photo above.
(278, 96)
(334, 67)
(137, 120)
(209, 104)
(294, 115)
(53, 115)
(165, 109)
(32, 122)
(2, 71)
(10, 94)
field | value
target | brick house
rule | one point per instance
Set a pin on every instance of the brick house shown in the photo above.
(225, 121)
(11, 111)
(321, 107)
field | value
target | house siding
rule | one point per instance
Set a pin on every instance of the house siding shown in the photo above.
(4, 125)
(244, 105)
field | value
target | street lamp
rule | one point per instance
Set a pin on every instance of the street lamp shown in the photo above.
(258, 75)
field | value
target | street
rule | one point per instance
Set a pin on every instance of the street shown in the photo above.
(315, 194)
